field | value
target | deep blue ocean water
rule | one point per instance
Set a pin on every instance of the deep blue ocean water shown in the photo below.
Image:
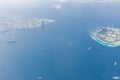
(61, 52)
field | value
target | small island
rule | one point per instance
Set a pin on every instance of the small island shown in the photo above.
(108, 36)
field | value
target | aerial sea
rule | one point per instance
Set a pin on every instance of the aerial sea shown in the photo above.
(64, 50)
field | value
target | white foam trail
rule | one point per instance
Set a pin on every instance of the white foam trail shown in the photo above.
(116, 77)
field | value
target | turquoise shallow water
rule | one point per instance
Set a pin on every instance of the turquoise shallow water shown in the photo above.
(61, 52)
